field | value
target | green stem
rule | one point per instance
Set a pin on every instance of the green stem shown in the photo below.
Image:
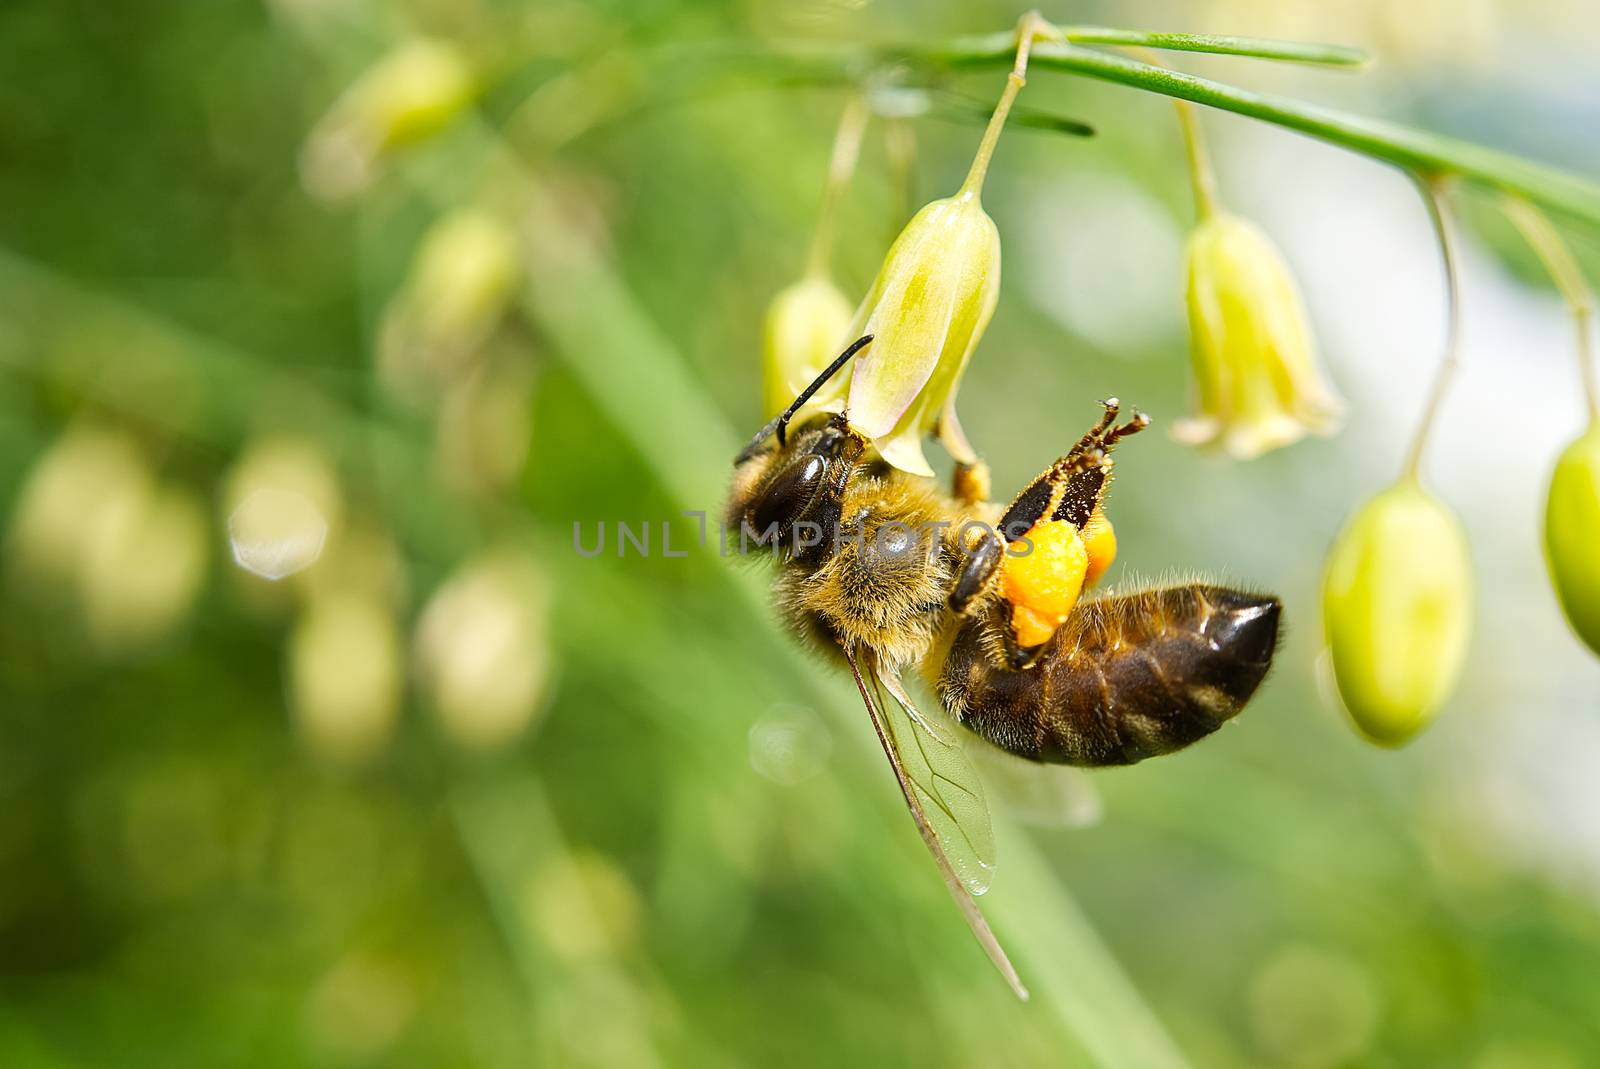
(1021, 44)
(841, 166)
(900, 144)
(1433, 197)
(1410, 148)
(1201, 176)
(1568, 277)
(1253, 47)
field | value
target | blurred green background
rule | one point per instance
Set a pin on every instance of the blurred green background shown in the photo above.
(452, 794)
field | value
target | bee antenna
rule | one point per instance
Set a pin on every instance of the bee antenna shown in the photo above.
(779, 424)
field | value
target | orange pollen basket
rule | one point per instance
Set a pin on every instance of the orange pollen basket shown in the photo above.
(1048, 569)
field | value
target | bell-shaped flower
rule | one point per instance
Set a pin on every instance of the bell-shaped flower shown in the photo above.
(1258, 385)
(926, 311)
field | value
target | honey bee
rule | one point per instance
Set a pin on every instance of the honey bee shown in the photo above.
(896, 576)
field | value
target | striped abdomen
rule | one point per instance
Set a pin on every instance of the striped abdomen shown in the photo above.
(1123, 679)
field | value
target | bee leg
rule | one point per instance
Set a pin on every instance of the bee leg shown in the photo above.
(1138, 423)
(1060, 493)
(970, 483)
(1021, 657)
(1112, 407)
(1073, 487)
(980, 566)
(1086, 471)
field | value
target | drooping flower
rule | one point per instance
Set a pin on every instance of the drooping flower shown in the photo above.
(1258, 386)
(1397, 608)
(409, 95)
(462, 278)
(806, 328)
(926, 311)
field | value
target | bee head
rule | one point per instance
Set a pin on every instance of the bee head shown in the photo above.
(802, 478)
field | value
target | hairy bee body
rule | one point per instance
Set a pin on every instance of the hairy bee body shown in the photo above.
(880, 562)
(885, 580)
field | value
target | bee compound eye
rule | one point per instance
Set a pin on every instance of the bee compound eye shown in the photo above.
(787, 496)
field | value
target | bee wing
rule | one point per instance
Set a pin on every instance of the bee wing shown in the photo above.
(946, 802)
(946, 785)
(1044, 796)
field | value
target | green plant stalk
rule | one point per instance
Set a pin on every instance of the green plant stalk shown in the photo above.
(1251, 47)
(1202, 178)
(1433, 196)
(841, 168)
(1568, 278)
(1415, 150)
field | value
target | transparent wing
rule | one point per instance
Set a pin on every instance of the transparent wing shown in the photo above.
(1044, 796)
(945, 783)
(946, 802)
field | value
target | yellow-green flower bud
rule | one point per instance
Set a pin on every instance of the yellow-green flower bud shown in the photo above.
(464, 275)
(407, 96)
(345, 676)
(1397, 607)
(929, 306)
(482, 650)
(806, 328)
(1258, 385)
(144, 565)
(1572, 535)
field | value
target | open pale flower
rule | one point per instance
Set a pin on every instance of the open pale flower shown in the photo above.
(926, 311)
(1258, 385)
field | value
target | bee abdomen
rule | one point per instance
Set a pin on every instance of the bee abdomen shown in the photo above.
(1125, 678)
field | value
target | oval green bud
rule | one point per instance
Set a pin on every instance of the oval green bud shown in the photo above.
(1397, 608)
(926, 312)
(1255, 368)
(806, 328)
(1572, 535)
